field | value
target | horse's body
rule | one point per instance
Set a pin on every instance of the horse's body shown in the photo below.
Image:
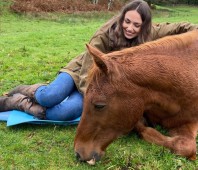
(156, 82)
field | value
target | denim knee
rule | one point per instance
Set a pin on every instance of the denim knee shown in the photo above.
(48, 98)
(69, 109)
(55, 92)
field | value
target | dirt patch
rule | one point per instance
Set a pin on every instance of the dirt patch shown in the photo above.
(64, 6)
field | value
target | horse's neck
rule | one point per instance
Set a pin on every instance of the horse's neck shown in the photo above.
(159, 63)
(161, 70)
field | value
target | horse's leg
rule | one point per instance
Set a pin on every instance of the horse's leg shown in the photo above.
(182, 141)
(150, 134)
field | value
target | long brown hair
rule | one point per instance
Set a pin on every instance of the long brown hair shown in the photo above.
(118, 39)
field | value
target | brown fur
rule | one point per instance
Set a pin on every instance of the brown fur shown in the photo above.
(156, 81)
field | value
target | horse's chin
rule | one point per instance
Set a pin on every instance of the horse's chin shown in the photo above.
(92, 161)
(96, 157)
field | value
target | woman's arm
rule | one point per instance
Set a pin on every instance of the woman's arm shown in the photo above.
(164, 29)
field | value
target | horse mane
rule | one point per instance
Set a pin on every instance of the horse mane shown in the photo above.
(93, 74)
(168, 45)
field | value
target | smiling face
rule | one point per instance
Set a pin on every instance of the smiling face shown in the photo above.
(131, 24)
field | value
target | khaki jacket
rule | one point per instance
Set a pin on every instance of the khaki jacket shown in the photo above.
(78, 67)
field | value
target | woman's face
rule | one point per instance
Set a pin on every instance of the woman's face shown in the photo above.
(132, 24)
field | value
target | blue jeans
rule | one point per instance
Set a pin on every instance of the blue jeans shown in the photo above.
(61, 98)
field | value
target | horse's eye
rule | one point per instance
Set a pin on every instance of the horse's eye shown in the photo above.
(99, 105)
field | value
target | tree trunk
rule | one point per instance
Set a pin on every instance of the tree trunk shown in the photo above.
(110, 2)
(95, 2)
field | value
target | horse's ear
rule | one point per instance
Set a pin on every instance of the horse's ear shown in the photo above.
(97, 57)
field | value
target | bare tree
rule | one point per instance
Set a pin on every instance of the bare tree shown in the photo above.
(110, 2)
(95, 2)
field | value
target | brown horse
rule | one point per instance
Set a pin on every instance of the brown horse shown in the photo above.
(154, 83)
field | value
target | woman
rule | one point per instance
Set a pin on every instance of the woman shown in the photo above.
(62, 99)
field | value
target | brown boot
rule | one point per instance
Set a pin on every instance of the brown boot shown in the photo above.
(22, 103)
(27, 90)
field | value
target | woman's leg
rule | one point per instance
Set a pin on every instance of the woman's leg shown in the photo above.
(68, 109)
(55, 92)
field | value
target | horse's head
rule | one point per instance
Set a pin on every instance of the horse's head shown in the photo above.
(107, 109)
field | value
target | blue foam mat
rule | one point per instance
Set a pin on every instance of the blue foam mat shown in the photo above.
(16, 117)
(4, 115)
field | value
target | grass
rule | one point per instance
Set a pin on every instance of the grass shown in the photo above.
(32, 50)
(176, 14)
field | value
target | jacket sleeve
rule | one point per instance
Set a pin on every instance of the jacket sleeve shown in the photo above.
(79, 66)
(101, 43)
(164, 29)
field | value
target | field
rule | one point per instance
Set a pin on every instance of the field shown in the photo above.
(33, 48)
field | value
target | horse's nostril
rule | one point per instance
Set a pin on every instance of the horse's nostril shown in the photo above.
(78, 156)
(96, 156)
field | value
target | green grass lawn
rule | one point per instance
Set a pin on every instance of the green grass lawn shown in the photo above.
(33, 48)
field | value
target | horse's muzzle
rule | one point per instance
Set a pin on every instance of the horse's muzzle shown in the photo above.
(93, 158)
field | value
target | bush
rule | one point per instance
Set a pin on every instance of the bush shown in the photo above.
(65, 6)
